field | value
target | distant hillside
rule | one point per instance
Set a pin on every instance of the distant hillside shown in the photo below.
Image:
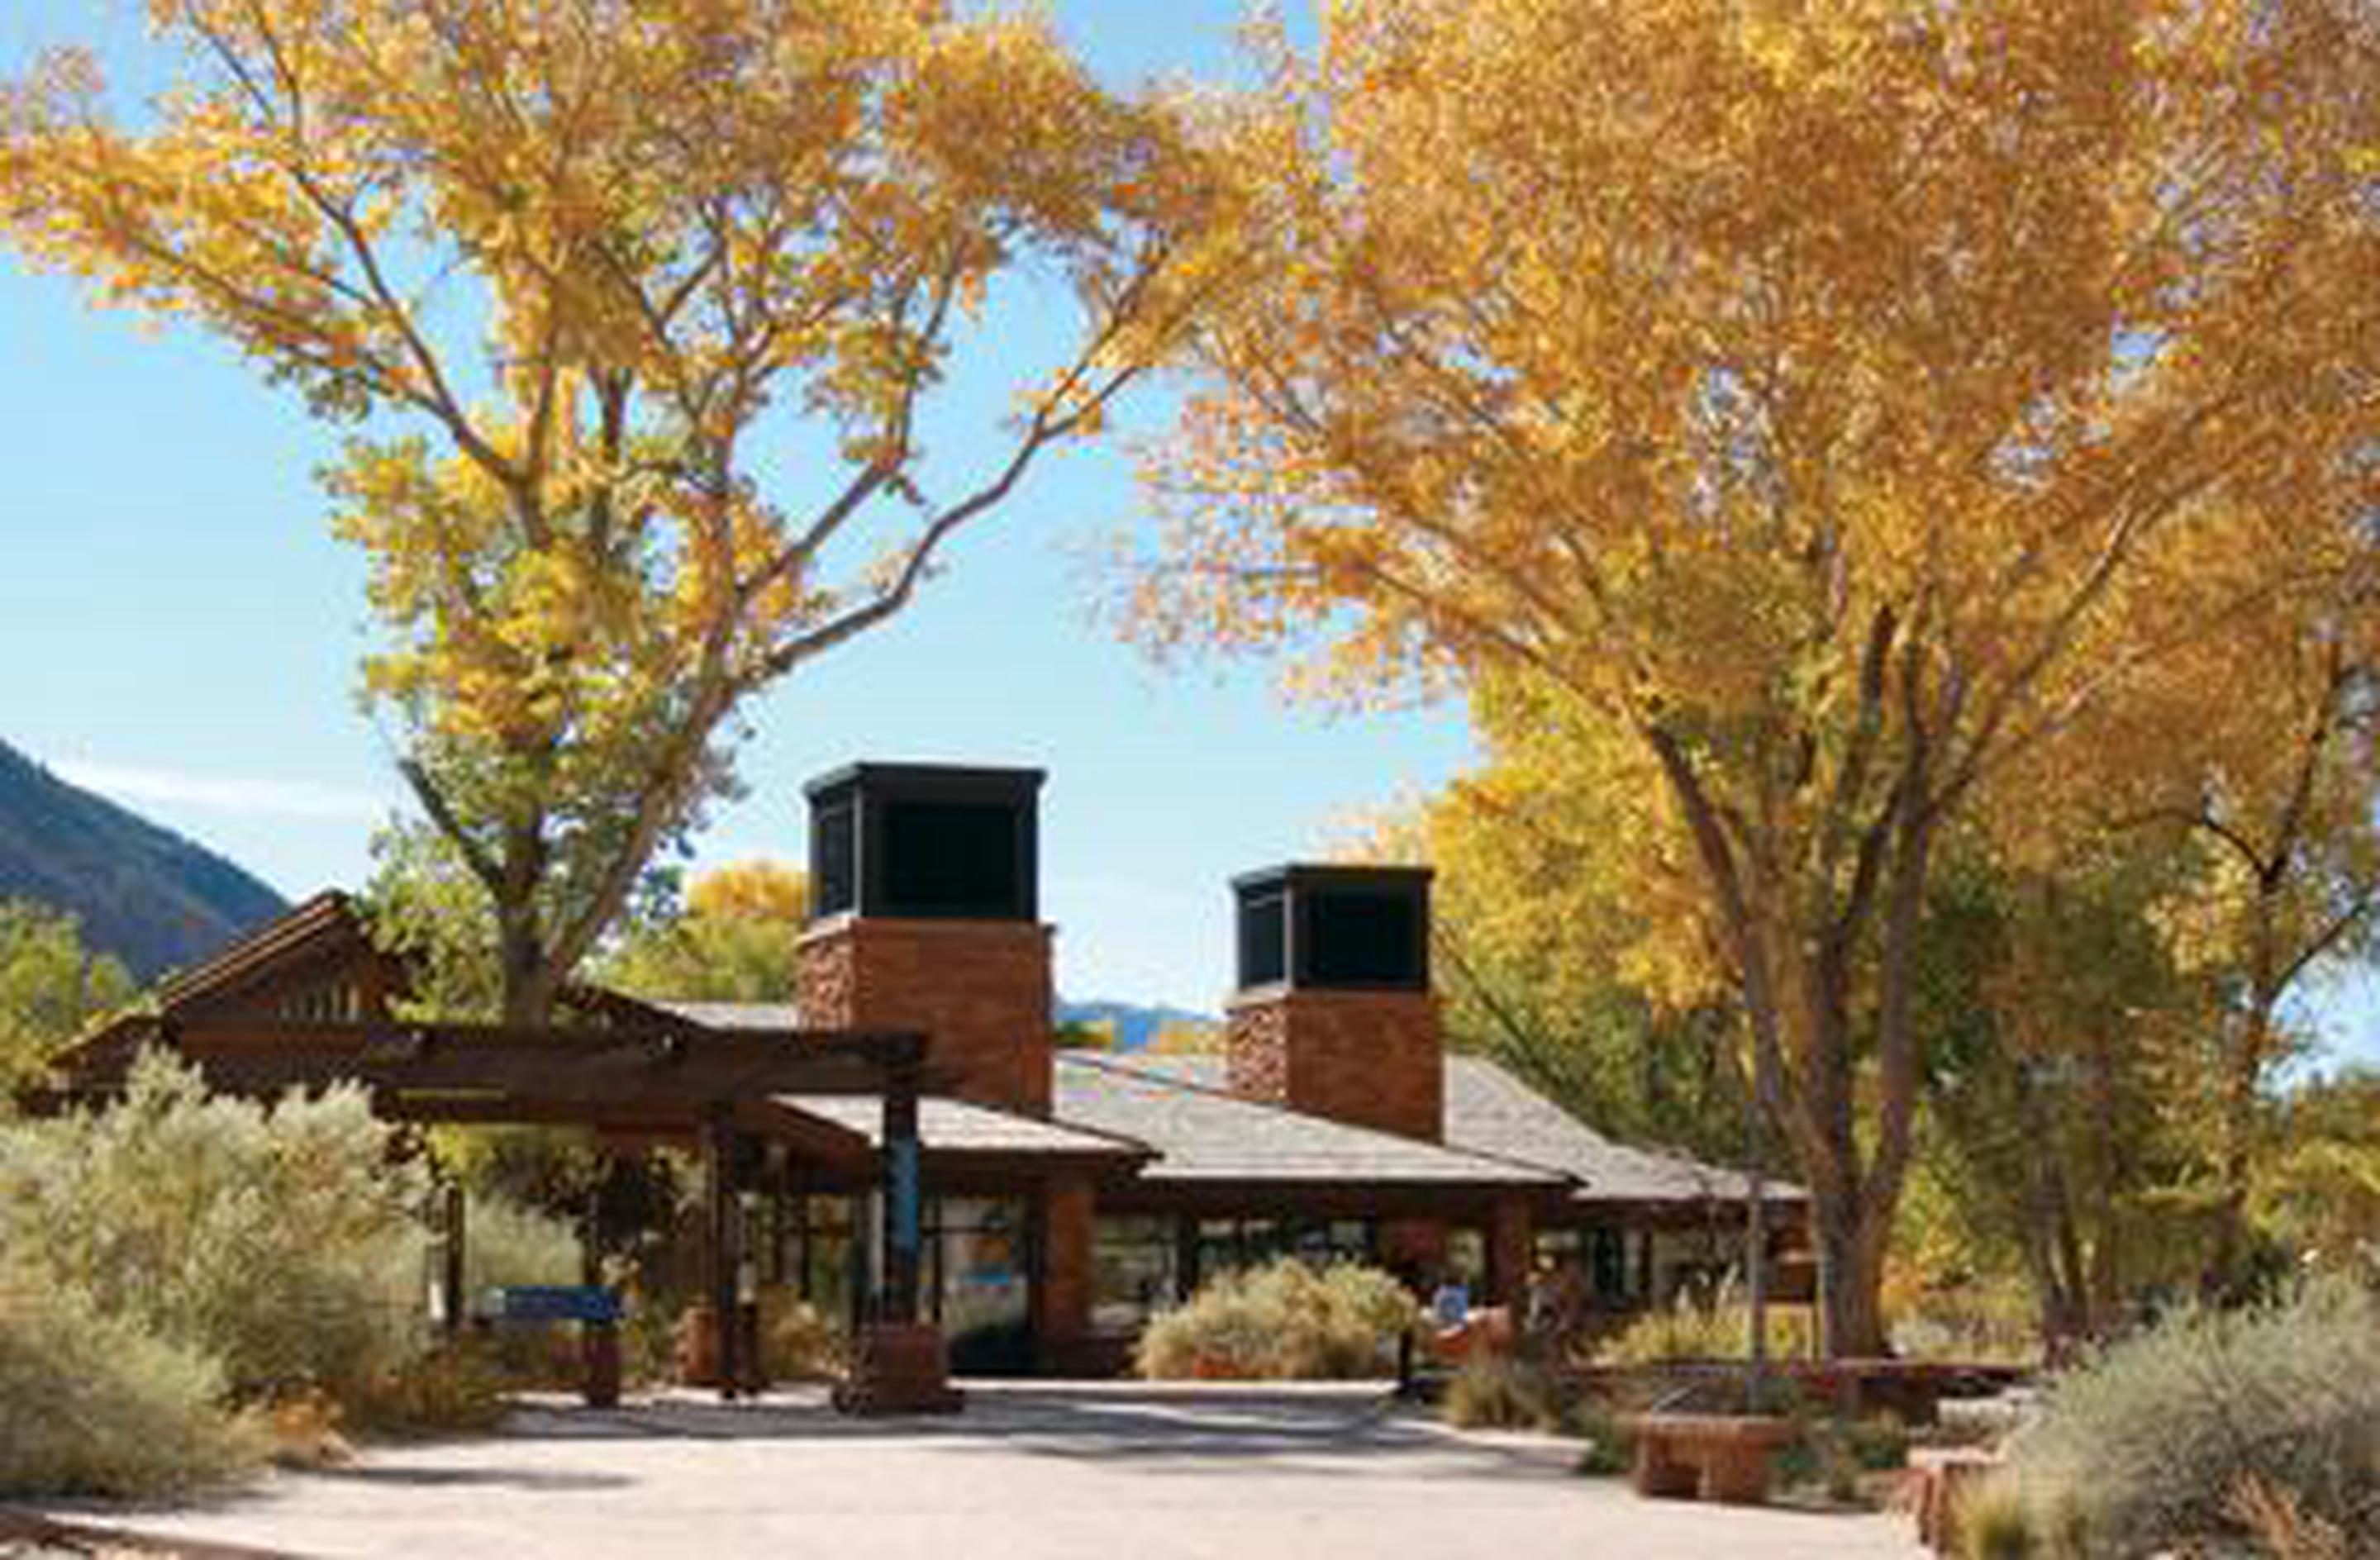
(1135, 1026)
(144, 894)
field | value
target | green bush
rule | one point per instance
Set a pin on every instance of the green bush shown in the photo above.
(280, 1242)
(506, 1242)
(2146, 1446)
(90, 1404)
(1283, 1322)
(1718, 1328)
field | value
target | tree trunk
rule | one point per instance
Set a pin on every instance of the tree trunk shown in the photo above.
(528, 984)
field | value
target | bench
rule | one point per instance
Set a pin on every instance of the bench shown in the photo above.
(1707, 1456)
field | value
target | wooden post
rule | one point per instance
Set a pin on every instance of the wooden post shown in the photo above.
(450, 1272)
(719, 1142)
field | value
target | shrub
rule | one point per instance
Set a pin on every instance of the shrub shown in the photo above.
(1983, 1322)
(1498, 1392)
(281, 1242)
(1283, 1322)
(796, 1342)
(2151, 1442)
(505, 1243)
(90, 1404)
(1718, 1328)
(459, 1386)
(1610, 1445)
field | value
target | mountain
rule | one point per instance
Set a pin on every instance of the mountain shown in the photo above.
(144, 894)
(1135, 1026)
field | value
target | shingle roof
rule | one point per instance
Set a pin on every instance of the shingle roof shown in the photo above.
(1206, 1135)
(1490, 1110)
(737, 1015)
(956, 1126)
(1498, 1129)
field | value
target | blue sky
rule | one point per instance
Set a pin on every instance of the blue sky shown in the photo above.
(181, 632)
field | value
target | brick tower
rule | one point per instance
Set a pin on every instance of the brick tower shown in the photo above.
(1334, 1015)
(925, 916)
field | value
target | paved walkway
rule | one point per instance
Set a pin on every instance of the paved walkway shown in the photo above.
(1045, 1472)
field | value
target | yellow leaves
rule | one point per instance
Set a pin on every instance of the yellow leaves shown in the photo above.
(756, 890)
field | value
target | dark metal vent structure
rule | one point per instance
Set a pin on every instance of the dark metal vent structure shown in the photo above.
(926, 841)
(1334, 928)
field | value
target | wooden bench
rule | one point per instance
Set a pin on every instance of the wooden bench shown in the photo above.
(1707, 1456)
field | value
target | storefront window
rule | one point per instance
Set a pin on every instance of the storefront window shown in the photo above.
(982, 1281)
(1228, 1244)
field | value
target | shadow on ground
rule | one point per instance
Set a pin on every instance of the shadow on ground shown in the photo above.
(1172, 1429)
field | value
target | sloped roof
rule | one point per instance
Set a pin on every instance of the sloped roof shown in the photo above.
(1206, 1135)
(957, 1126)
(733, 1015)
(1490, 1110)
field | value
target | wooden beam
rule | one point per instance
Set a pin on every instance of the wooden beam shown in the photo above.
(640, 1074)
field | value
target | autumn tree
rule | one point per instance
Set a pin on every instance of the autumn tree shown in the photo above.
(733, 941)
(1560, 877)
(2273, 787)
(641, 304)
(1808, 397)
(2058, 1104)
(51, 987)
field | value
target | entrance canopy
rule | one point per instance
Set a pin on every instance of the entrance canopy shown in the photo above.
(631, 1075)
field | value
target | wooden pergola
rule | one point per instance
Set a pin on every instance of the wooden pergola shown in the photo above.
(642, 1073)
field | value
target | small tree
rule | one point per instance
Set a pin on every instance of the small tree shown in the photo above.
(50, 988)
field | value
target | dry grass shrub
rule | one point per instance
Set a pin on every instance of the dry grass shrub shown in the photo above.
(796, 1342)
(461, 1387)
(2150, 1445)
(1978, 1324)
(1282, 1322)
(1499, 1392)
(1719, 1327)
(280, 1242)
(91, 1404)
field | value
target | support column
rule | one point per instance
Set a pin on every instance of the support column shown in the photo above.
(452, 1229)
(724, 1227)
(904, 1201)
(1511, 1245)
(1061, 1287)
(899, 1366)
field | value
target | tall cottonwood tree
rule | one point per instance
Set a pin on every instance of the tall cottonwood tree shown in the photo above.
(1807, 395)
(645, 301)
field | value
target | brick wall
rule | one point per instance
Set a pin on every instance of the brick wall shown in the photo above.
(1375, 1059)
(1061, 1293)
(979, 989)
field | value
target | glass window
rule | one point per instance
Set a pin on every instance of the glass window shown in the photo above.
(980, 1282)
(1132, 1262)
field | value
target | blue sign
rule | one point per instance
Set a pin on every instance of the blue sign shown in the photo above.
(557, 1302)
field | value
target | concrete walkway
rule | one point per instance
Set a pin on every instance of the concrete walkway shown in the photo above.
(1127, 1472)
